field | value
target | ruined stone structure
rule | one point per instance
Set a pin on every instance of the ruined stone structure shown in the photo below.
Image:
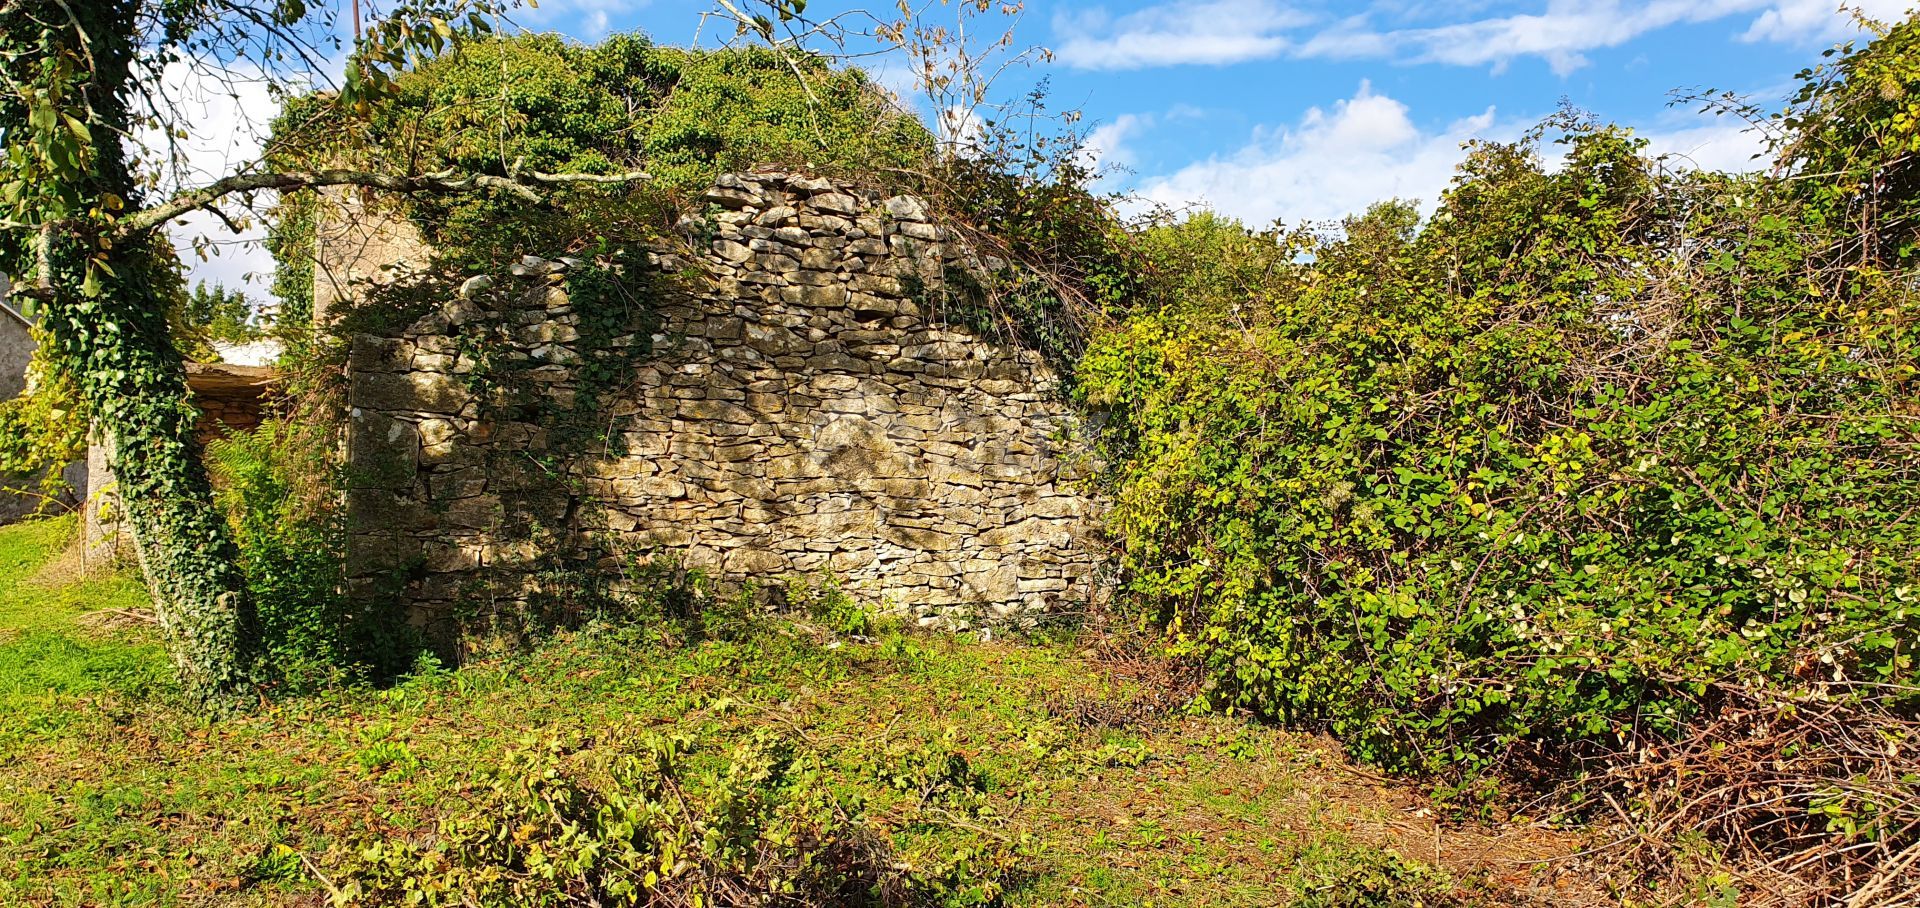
(228, 399)
(793, 402)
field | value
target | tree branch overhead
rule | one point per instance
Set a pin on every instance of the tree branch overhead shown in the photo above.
(521, 185)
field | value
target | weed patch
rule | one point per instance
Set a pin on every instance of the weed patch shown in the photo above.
(771, 759)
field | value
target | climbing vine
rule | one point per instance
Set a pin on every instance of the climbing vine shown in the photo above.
(41, 431)
(74, 231)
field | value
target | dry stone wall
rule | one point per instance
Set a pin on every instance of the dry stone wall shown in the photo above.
(795, 403)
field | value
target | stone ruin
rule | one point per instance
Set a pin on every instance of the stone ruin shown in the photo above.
(799, 402)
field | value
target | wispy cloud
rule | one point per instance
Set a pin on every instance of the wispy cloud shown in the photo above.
(1560, 35)
(1211, 32)
(1341, 159)
(1795, 21)
(1726, 145)
(591, 19)
(1105, 146)
(1221, 32)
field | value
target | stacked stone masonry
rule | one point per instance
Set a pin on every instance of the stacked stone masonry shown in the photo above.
(801, 410)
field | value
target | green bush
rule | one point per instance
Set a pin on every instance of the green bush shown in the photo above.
(1531, 479)
(654, 824)
(42, 429)
(1339, 875)
(272, 484)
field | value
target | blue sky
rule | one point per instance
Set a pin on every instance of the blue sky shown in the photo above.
(1306, 110)
(1299, 109)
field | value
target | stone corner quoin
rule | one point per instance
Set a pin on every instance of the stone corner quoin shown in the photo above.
(801, 401)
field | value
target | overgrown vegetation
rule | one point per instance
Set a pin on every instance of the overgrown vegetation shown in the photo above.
(932, 768)
(210, 315)
(540, 103)
(1598, 483)
(763, 827)
(42, 429)
(1602, 467)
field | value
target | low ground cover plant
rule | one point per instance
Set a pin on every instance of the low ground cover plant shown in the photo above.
(905, 770)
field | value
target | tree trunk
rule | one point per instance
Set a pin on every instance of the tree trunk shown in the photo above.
(104, 304)
(136, 389)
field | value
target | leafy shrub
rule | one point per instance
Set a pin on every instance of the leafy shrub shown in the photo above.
(555, 825)
(826, 601)
(42, 429)
(1528, 481)
(272, 484)
(664, 588)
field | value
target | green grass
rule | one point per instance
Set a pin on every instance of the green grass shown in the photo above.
(48, 653)
(114, 795)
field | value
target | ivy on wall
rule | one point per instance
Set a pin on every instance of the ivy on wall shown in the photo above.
(542, 103)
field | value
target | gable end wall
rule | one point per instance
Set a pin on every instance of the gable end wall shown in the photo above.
(799, 411)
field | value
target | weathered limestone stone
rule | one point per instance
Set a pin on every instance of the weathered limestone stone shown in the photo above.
(427, 392)
(384, 451)
(798, 411)
(835, 203)
(907, 208)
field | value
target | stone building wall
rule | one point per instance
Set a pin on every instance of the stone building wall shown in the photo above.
(362, 240)
(16, 345)
(790, 405)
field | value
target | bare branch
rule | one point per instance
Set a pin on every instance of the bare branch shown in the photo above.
(442, 181)
(42, 286)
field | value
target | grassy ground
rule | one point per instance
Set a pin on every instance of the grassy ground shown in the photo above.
(113, 795)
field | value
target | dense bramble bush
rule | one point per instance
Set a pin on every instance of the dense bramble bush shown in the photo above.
(1540, 473)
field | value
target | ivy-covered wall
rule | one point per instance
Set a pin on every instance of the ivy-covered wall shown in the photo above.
(787, 393)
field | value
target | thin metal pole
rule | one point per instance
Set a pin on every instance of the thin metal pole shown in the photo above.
(356, 21)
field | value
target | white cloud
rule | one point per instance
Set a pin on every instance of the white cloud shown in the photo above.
(1340, 160)
(1236, 31)
(1797, 21)
(1332, 163)
(592, 19)
(897, 77)
(1727, 146)
(1105, 145)
(960, 129)
(227, 113)
(1187, 31)
(238, 261)
(1560, 34)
